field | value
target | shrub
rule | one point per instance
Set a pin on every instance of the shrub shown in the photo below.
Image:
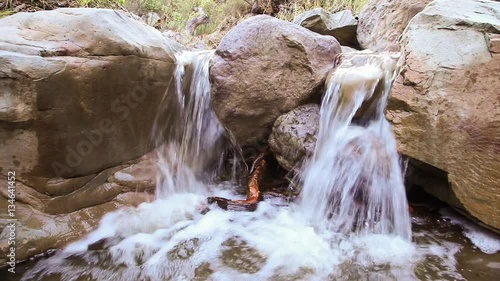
(296, 7)
(221, 13)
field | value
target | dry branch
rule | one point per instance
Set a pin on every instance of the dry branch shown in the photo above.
(203, 18)
(250, 204)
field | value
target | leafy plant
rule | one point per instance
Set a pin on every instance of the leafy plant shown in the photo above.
(6, 13)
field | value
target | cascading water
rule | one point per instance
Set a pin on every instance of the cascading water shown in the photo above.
(351, 185)
(353, 182)
(193, 157)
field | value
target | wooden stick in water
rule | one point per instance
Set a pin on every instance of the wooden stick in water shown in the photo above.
(250, 204)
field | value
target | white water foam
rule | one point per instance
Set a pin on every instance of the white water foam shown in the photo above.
(169, 239)
(485, 240)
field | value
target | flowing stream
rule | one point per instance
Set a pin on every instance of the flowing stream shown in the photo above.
(350, 223)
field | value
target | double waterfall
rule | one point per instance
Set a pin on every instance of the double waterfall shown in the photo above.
(351, 221)
(353, 183)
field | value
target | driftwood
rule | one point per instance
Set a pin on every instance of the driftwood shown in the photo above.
(250, 204)
(203, 18)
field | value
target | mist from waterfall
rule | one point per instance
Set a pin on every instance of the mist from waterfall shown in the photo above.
(353, 183)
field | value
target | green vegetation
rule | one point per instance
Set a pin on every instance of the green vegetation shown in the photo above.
(224, 14)
(297, 7)
(175, 14)
(221, 13)
(6, 13)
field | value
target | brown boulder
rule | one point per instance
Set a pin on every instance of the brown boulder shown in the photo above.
(79, 90)
(445, 108)
(263, 68)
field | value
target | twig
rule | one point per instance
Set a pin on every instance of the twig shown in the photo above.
(250, 204)
(203, 18)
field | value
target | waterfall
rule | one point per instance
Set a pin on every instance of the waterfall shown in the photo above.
(354, 182)
(190, 161)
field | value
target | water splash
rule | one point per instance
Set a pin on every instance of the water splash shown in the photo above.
(354, 182)
(193, 157)
(169, 239)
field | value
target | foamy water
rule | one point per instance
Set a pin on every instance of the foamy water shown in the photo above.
(170, 239)
(486, 241)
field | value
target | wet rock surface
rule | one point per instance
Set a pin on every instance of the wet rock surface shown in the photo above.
(294, 135)
(50, 222)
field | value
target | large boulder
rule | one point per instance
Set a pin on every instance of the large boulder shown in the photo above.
(294, 135)
(79, 93)
(445, 108)
(381, 22)
(341, 25)
(49, 222)
(263, 68)
(79, 90)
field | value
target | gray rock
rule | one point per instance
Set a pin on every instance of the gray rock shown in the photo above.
(151, 18)
(294, 135)
(263, 68)
(381, 22)
(341, 25)
(445, 108)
